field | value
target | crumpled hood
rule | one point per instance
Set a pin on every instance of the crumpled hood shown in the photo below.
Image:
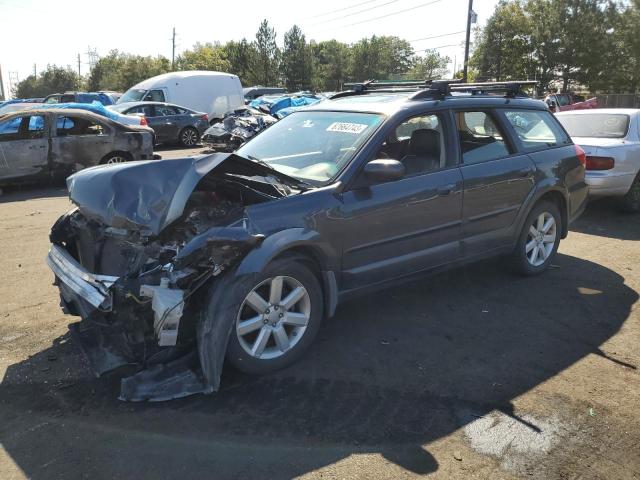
(149, 195)
(145, 195)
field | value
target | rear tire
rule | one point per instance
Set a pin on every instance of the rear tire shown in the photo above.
(630, 203)
(539, 239)
(114, 158)
(189, 137)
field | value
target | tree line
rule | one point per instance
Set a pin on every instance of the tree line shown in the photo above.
(565, 44)
(591, 45)
(298, 65)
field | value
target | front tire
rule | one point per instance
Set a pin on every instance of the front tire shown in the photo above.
(275, 316)
(539, 240)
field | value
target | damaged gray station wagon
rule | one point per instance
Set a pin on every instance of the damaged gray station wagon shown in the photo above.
(178, 265)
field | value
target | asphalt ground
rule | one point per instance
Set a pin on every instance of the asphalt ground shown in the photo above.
(473, 373)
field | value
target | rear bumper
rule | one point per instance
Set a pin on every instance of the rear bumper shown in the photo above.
(91, 288)
(608, 183)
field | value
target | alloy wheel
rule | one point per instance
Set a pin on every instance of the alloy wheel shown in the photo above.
(189, 137)
(541, 239)
(116, 159)
(273, 317)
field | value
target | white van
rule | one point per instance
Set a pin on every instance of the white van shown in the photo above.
(214, 93)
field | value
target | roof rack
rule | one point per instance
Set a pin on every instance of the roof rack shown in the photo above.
(438, 89)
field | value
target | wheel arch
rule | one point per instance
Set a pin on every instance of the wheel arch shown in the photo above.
(552, 193)
(123, 153)
(318, 256)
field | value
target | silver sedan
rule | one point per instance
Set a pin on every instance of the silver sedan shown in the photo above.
(610, 138)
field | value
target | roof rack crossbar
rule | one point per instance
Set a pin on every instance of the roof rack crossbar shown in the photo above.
(437, 89)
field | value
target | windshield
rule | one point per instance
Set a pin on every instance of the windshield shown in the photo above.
(598, 125)
(132, 95)
(312, 146)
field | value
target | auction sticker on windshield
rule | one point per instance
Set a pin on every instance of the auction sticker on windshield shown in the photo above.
(345, 127)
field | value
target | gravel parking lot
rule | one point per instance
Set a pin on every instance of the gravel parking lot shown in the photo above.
(475, 373)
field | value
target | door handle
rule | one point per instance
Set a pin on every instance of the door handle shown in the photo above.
(445, 190)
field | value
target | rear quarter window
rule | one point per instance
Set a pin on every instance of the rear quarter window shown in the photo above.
(535, 129)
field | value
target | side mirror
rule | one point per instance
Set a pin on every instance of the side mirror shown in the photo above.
(384, 170)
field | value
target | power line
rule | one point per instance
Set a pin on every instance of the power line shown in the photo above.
(340, 9)
(383, 16)
(436, 36)
(353, 13)
(439, 47)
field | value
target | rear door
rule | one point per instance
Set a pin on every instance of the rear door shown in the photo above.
(497, 180)
(80, 140)
(23, 147)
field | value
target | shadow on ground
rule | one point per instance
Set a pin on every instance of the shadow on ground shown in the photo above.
(391, 372)
(604, 218)
(19, 193)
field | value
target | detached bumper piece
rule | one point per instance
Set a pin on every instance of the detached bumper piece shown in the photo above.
(94, 289)
(169, 373)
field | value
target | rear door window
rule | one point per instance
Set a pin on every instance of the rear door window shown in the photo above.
(165, 111)
(535, 129)
(480, 137)
(73, 126)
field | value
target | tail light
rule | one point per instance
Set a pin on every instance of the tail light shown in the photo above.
(205, 117)
(143, 121)
(582, 156)
(599, 163)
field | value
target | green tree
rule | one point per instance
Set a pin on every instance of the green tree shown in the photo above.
(380, 58)
(204, 56)
(331, 60)
(52, 80)
(267, 60)
(296, 64)
(429, 66)
(503, 48)
(119, 71)
(242, 58)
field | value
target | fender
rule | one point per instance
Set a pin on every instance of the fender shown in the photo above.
(545, 186)
(297, 238)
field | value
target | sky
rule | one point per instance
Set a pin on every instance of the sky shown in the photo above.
(39, 32)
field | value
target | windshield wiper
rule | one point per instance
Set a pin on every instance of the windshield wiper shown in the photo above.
(296, 181)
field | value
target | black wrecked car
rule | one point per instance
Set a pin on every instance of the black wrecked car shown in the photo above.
(180, 266)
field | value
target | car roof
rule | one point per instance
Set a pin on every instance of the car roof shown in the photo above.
(135, 104)
(65, 111)
(627, 111)
(387, 103)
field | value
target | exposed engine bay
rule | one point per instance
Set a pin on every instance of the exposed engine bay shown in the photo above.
(140, 284)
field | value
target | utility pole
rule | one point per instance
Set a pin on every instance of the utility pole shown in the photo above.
(466, 44)
(2, 96)
(79, 72)
(35, 70)
(173, 49)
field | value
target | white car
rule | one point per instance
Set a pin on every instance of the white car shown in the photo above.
(611, 139)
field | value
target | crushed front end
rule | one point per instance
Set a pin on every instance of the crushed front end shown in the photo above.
(140, 286)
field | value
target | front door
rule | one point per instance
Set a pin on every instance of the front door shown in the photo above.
(24, 147)
(409, 225)
(497, 180)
